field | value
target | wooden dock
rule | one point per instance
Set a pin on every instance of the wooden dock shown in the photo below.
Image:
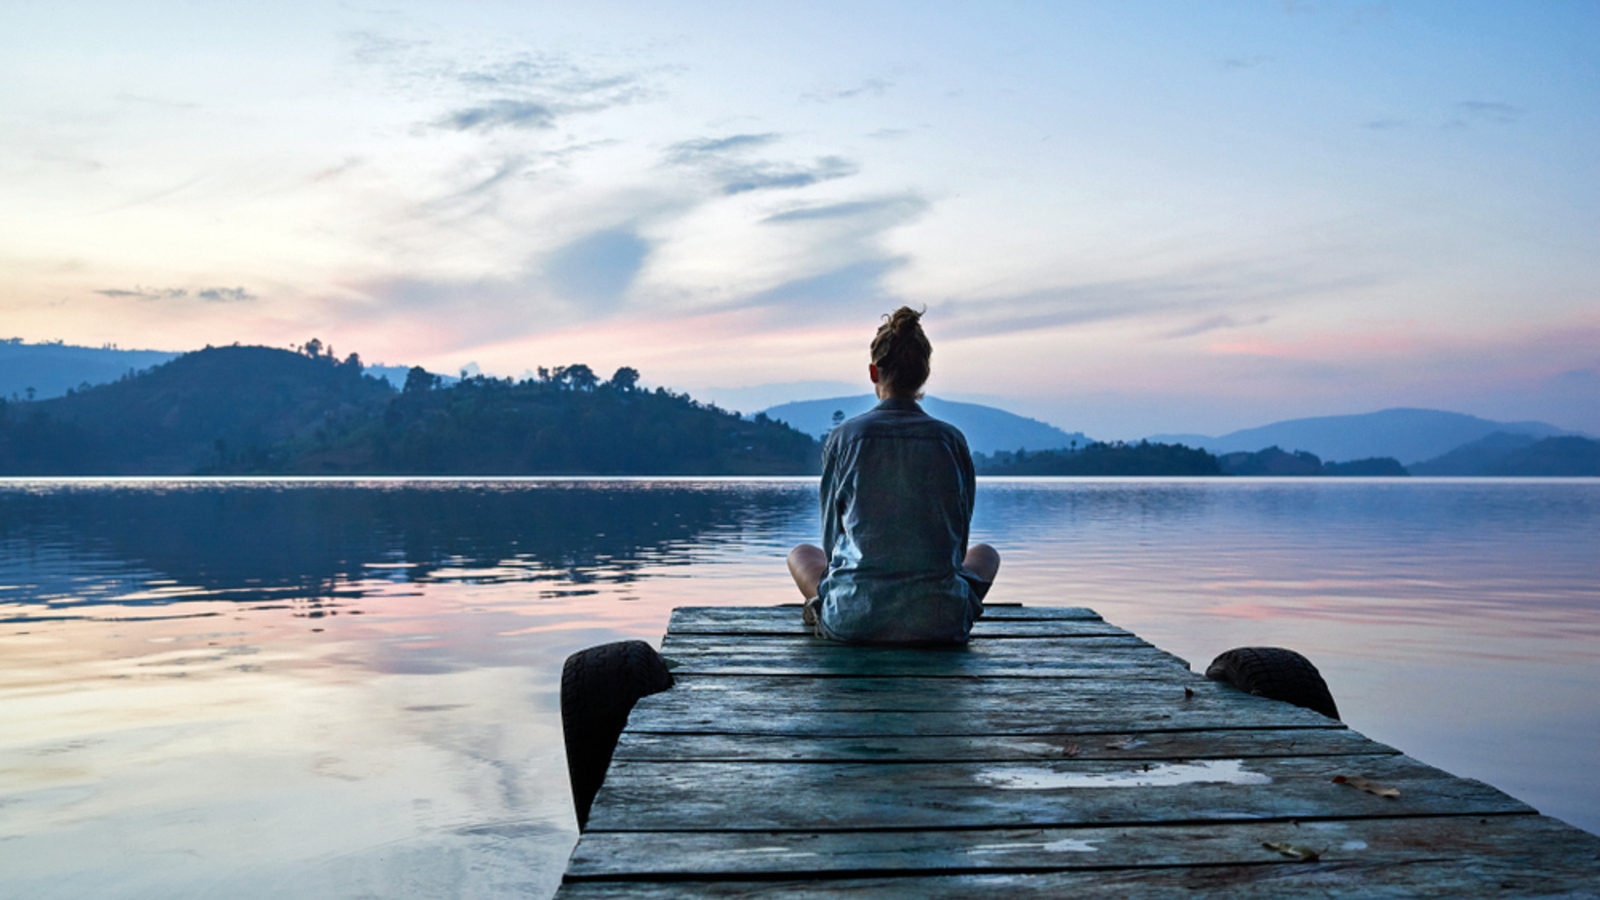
(1054, 756)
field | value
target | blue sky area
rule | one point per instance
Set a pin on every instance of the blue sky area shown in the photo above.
(1123, 218)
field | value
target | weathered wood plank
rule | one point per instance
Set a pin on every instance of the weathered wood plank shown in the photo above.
(1108, 745)
(812, 708)
(807, 642)
(984, 629)
(758, 616)
(678, 796)
(1050, 657)
(1509, 878)
(1375, 841)
(1020, 721)
(913, 693)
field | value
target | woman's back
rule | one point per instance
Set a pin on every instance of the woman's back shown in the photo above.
(897, 497)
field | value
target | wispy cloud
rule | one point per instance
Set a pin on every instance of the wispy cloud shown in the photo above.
(846, 286)
(896, 207)
(1203, 291)
(723, 158)
(144, 293)
(769, 176)
(875, 87)
(1489, 111)
(506, 168)
(1215, 323)
(871, 87)
(1386, 124)
(126, 97)
(700, 149)
(1071, 305)
(225, 295)
(490, 88)
(500, 114)
(210, 295)
(1236, 63)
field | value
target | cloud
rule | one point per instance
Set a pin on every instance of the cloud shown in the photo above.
(771, 176)
(1236, 63)
(126, 97)
(508, 167)
(698, 149)
(500, 114)
(487, 88)
(225, 295)
(210, 295)
(849, 285)
(1074, 305)
(1198, 291)
(737, 176)
(898, 208)
(332, 172)
(144, 293)
(1214, 323)
(1386, 124)
(875, 87)
(599, 266)
(1487, 111)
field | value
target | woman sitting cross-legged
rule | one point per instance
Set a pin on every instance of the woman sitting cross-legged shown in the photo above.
(897, 496)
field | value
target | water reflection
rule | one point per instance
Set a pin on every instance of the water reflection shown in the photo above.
(80, 546)
(1490, 562)
(324, 689)
(349, 688)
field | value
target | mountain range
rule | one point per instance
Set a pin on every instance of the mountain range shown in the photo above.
(1426, 441)
(1408, 435)
(988, 430)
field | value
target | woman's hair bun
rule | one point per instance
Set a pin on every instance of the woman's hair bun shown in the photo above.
(901, 350)
(902, 318)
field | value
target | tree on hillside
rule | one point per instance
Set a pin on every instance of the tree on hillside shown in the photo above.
(577, 377)
(419, 380)
(625, 379)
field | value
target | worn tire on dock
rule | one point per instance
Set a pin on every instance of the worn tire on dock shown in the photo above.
(1277, 674)
(599, 687)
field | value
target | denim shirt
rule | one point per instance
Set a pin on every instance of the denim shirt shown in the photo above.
(897, 493)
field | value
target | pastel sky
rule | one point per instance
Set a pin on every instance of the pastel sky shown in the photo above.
(1124, 218)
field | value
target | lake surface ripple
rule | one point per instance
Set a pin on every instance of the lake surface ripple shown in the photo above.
(326, 688)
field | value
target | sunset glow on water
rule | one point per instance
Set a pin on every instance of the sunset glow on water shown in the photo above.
(346, 688)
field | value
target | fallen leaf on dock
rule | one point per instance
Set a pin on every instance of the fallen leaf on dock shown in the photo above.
(1070, 749)
(1368, 785)
(1293, 851)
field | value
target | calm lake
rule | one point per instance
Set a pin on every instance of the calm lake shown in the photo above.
(312, 688)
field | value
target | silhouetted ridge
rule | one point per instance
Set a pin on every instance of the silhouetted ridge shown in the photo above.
(555, 425)
(1518, 455)
(212, 404)
(1277, 462)
(260, 410)
(1144, 458)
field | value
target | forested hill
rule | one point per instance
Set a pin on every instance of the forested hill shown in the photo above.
(260, 410)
